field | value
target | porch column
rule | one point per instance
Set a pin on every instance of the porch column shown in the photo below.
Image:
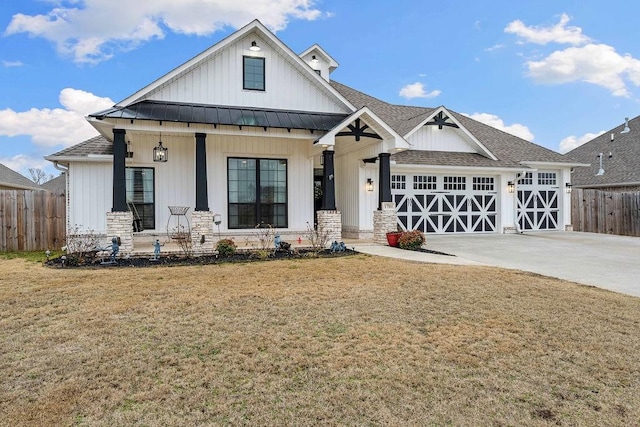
(119, 188)
(384, 178)
(202, 202)
(328, 182)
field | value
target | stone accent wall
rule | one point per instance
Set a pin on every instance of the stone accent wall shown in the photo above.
(509, 230)
(384, 221)
(331, 222)
(120, 224)
(202, 225)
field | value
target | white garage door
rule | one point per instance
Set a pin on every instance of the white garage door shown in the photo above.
(538, 201)
(445, 203)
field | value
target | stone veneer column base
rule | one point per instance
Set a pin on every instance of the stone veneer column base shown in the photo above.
(120, 224)
(202, 225)
(331, 223)
(384, 221)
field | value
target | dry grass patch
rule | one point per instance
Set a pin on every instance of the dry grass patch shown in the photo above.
(357, 341)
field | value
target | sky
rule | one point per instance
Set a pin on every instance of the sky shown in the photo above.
(557, 73)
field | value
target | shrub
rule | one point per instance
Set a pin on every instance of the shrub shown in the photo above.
(226, 248)
(318, 237)
(411, 240)
(265, 236)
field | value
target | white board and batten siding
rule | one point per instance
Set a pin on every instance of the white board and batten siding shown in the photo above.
(430, 138)
(218, 80)
(299, 173)
(354, 202)
(90, 195)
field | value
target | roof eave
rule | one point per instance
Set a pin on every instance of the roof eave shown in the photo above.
(613, 184)
(562, 164)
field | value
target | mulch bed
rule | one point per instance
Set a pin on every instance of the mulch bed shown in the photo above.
(176, 260)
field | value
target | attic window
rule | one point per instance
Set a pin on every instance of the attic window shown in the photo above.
(318, 72)
(253, 73)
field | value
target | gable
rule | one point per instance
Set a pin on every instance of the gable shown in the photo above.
(430, 138)
(215, 77)
(441, 131)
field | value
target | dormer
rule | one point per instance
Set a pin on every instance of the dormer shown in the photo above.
(319, 60)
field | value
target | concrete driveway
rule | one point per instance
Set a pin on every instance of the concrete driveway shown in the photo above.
(602, 260)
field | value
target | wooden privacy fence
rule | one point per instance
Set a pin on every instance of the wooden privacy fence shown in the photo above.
(31, 220)
(607, 212)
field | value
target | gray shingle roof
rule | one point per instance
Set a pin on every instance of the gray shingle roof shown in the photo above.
(57, 185)
(509, 149)
(401, 118)
(622, 167)
(12, 179)
(96, 145)
(448, 158)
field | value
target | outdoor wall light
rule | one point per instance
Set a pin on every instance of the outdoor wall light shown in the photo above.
(567, 187)
(314, 59)
(160, 153)
(369, 184)
(129, 153)
(511, 187)
(626, 126)
(254, 46)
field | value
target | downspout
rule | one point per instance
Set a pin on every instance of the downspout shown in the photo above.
(60, 167)
(65, 170)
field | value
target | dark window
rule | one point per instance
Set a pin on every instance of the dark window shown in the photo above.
(253, 73)
(398, 182)
(424, 182)
(139, 183)
(455, 183)
(257, 192)
(318, 72)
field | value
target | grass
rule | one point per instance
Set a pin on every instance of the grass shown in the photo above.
(349, 341)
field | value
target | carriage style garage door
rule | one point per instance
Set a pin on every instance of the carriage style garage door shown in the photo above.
(538, 203)
(446, 203)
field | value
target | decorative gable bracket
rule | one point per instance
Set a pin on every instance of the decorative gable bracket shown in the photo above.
(358, 130)
(440, 120)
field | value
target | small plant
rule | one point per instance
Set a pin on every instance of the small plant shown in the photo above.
(81, 243)
(226, 248)
(265, 236)
(318, 236)
(411, 240)
(182, 237)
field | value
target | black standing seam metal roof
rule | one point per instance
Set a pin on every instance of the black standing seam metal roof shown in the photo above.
(216, 115)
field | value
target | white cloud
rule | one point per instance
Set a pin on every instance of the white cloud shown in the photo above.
(9, 64)
(494, 47)
(21, 163)
(492, 120)
(416, 90)
(558, 33)
(598, 64)
(571, 142)
(92, 30)
(587, 62)
(59, 126)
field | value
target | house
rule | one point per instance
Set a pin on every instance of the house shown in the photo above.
(613, 157)
(12, 180)
(248, 132)
(57, 185)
